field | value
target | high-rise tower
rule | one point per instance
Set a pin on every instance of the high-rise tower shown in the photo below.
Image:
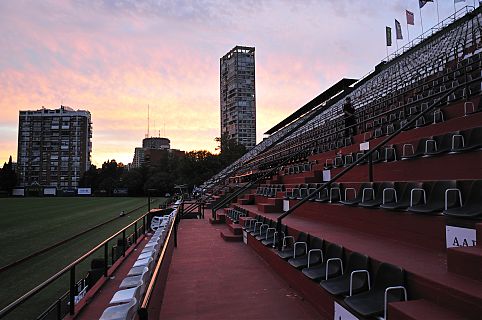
(238, 96)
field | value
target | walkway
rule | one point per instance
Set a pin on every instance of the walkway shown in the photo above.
(213, 279)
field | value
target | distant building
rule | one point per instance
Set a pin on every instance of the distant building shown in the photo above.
(238, 96)
(154, 150)
(54, 147)
(156, 143)
(138, 160)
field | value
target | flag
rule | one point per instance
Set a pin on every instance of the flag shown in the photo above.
(410, 17)
(388, 32)
(398, 30)
(421, 3)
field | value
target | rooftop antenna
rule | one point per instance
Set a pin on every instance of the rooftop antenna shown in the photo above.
(147, 135)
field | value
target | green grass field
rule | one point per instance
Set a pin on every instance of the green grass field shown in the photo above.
(30, 224)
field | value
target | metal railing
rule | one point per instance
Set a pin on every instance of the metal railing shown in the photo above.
(143, 311)
(140, 225)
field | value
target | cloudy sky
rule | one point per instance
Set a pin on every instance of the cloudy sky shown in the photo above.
(114, 58)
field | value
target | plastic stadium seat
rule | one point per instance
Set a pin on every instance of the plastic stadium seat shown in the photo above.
(398, 197)
(358, 195)
(418, 152)
(314, 252)
(440, 144)
(127, 311)
(472, 206)
(435, 201)
(288, 249)
(127, 295)
(320, 271)
(373, 303)
(341, 285)
(263, 230)
(472, 139)
(135, 281)
(273, 237)
(374, 194)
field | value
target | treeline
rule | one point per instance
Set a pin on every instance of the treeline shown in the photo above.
(192, 169)
(8, 177)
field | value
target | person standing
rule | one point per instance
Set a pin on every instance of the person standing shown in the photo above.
(350, 118)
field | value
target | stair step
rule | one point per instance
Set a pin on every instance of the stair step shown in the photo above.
(420, 310)
(465, 261)
(231, 237)
(235, 228)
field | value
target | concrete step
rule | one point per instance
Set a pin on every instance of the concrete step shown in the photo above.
(420, 310)
(465, 261)
(231, 237)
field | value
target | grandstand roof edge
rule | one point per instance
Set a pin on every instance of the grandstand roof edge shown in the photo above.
(338, 87)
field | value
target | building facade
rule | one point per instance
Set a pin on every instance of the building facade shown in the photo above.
(238, 96)
(156, 143)
(54, 147)
(154, 150)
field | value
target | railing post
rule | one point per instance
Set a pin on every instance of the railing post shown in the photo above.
(124, 243)
(370, 169)
(112, 257)
(135, 232)
(59, 309)
(144, 225)
(106, 258)
(72, 291)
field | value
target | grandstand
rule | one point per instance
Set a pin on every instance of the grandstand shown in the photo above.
(386, 200)
(386, 223)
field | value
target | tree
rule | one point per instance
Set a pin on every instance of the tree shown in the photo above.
(8, 177)
(230, 150)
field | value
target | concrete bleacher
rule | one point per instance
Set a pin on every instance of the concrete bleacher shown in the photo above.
(442, 282)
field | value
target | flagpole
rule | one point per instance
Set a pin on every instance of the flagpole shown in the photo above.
(438, 15)
(421, 21)
(408, 34)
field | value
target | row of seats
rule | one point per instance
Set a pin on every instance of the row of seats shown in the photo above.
(452, 143)
(345, 275)
(461, 198)
(125, 302)
(298, 168)
(269, 190)
(235, 214)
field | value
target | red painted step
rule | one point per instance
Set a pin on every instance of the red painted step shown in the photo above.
(235, 228)
(420, 309)
(465, 261)
(231, 237)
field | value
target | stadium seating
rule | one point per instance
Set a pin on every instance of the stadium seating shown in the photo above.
(386, 219)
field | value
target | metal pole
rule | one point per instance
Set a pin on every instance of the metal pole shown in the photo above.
(59, 309)
(135, 232)
(124, 243)
(148, 200)
(370, 169)
(106, 258)
(72, 291)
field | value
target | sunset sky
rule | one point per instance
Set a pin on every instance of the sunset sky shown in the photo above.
(114, 58)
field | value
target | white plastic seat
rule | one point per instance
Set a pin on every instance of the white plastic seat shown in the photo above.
(142, 262)
(135, 281)
(146, 255)
(125, 311)
(127, 295)
(136, 271)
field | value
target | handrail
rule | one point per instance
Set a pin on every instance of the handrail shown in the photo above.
(369, 153)
(9, 308)
(150, 288)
